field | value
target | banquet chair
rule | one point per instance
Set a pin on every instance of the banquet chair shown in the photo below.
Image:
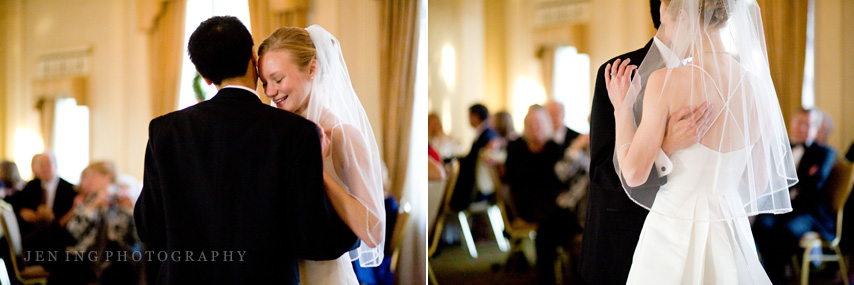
(444, 207)
(34, 274)
(516, 229)
(838, 185)
(398, 233)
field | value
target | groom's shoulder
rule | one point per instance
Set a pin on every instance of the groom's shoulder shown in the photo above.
(636, 56)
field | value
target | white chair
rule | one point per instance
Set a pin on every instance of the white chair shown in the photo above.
(34, 274)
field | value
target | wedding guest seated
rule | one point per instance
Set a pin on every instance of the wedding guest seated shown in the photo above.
(10, 178)
(445, 145)
(435, 170)
(495, 153)
(563, 135)
(573, 170)
(474, 180)
(824, 128)
(100, 221)
(777, 236)
(534, 189)
(40, 205)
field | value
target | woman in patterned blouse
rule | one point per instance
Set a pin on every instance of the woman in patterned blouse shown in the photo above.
(102, 221)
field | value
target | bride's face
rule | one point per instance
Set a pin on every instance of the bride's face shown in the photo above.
(287, 85)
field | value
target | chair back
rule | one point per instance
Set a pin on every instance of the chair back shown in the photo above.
(436, 227)
(506, 205)
(11, 229)
(502, 197)
(453, 170)
(451, 182)
(12, 233)
(4, 275)
(838, 185)
(399, 231)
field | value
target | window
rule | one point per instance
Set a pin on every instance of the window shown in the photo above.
(71, 128)
(198, 11)
(572, 87)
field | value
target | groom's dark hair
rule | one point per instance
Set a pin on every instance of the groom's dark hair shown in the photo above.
(220, 48)
(653, 11)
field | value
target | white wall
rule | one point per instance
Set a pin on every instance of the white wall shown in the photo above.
(457, 28)
(117, 87)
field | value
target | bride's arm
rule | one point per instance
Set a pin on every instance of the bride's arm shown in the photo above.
(353, 213)
(636, 150)
(359, 208)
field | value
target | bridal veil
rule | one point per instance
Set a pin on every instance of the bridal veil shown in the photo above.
(334, 105)
(722, 59)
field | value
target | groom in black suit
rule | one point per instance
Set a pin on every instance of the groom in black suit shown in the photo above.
(614, 222)
(233, 190)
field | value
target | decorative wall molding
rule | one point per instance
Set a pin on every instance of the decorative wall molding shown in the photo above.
(561, 12)
(64, 63)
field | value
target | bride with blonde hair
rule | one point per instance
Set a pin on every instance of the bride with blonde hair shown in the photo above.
(303, 71)
(697, 231)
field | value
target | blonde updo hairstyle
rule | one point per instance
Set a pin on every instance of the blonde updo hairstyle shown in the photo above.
(716, 8)
(295, 40)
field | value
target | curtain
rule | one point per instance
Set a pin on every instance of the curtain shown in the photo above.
(398, 59)
(266, 16)
(785, 24)
(547, 58)
(163, 20)
(47, 115)
(399, 44)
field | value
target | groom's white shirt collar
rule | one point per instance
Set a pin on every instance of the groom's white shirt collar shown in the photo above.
(241, 87)
(670, 58)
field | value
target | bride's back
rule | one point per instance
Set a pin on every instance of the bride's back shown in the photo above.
(718, 79)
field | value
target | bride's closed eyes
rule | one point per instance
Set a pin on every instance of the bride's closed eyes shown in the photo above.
(284, 82)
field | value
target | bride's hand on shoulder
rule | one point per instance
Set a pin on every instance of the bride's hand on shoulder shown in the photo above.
(618, 78)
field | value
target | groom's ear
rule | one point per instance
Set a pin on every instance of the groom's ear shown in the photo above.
(207, 81)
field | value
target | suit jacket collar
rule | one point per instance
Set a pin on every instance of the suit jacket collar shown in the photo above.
(235, 94)
(646, 47)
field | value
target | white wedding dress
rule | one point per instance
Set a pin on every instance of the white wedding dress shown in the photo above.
(354, 162)
(713, 244)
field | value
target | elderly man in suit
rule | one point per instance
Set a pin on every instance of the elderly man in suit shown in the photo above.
(41, 205)
(777, 236)
(234, 177)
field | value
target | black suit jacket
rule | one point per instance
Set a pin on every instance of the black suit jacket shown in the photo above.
(463, 191)
(811, 196)
(31, 197)
(614, 222)
(533, 184)
(232, 174)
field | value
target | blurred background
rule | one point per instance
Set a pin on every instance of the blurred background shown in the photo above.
(83, 78)
(507, 55)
